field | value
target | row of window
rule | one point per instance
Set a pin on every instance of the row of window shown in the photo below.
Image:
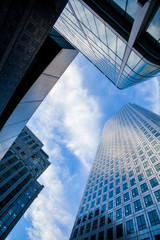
(126, 196)
(127, 209)
(16, 208)
(130, 226)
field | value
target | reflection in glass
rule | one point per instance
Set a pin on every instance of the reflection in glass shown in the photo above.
(154, 28)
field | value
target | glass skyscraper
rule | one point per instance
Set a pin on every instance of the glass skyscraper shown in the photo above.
(121, 38)
(122, 196)
(24, 162)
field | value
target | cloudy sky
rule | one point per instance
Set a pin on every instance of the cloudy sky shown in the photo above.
(69, 122)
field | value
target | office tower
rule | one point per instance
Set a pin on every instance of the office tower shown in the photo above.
(32, 59)
(23, 163)
(122, 196)
(121, 38)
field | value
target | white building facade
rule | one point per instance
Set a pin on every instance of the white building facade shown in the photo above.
(122, 196)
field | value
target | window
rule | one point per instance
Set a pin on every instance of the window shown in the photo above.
(99, 192)
(148, 200)
(106, 181)
(140, 152)
(118, 201)
(84, 218)
(150, 153)
(137, 205)
(119, 231)
(133, 182)
(96, 212)
(111, 185)
(118, 181)
(90, 215)
(141, 223)
(138, 169)
(104, 197)
(81, 230)
(135, 192)
(94, 195)
(130, 227)
(92, 204)
(118, 190)
(75, 233)
(103, 208)
(111, 194)
(110, 217)
(81, 210)
(125, 186)
(157, 194)
(144, 187)
(105, 189)
(86, 194)
(89, 198)
(142, 158)
(146, 164)
(157, 167)
(131, 173)
(98, 201)
(153, 217)
(110, 234)
(95, 224)
(118, 214)
(123, 178)
(141, 177)
(128, 210)
(102, 221)
(154, 182)
(88, 227)
(154, 159)
(79, 220)
(149, 172)
(126, 197)
(111, 178)
(110, 205)
(117, 174)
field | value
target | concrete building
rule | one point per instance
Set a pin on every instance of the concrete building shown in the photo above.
(122, 196)
(23, 163)
(121, 38)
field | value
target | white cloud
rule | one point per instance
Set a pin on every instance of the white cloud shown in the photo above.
(69, 117)
(150, 91)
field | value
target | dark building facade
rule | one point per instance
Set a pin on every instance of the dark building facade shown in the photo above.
(33, 58)
(23, 163)
(122, 196)
(121, 38)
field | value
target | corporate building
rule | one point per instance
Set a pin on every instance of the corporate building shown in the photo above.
(122, 196)
(121, 38)
(33, 56)
(23, 163)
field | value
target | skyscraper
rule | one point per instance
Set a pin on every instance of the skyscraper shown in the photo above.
(122, 196)
(24, 162)
(121, 38)
(33, 57)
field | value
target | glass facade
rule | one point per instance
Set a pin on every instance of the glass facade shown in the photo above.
(95, 37)
(24, 162)
(124, 181)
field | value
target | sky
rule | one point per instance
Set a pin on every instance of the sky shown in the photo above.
(69, 122)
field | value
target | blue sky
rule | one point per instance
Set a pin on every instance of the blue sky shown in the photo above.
(69, 122)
